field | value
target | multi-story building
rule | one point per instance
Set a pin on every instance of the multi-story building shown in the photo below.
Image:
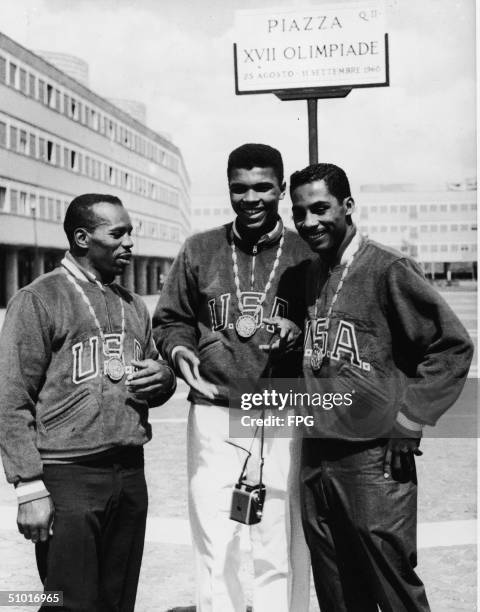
(59, 139)
(437, 225)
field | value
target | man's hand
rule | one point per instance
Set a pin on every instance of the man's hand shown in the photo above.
(399, 462)
(152, 378)
(35, 518)
(186, 362)
(288, 335)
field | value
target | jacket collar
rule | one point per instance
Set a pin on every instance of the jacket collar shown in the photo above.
(264, 241)
(79, 272)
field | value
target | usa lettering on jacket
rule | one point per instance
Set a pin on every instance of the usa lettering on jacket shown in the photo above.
(345, 343)
(87, 362)
(220, 307)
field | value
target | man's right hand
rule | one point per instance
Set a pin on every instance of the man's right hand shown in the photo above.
(186, 363)
(35, 518)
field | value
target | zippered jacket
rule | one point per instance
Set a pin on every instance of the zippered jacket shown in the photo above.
(395, 352)
(56, 402)
(198, 307)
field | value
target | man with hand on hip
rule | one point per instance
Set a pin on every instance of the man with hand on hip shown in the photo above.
(384, 345)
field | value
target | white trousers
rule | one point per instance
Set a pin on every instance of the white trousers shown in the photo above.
(281, 562)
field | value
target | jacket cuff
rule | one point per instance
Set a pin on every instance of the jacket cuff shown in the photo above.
(31, 490)
(410, 428)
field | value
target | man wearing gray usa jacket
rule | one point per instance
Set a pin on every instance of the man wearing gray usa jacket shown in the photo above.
(79, 372)
(384, 346)
(223, 301)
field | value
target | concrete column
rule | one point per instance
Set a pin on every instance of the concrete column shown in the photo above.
(128, 279)
(11, 273)
(152, 277)
(38, 263)
(141, 275)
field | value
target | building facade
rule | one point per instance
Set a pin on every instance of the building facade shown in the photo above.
(59, 139)
(436, 225)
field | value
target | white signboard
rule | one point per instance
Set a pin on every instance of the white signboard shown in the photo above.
(326, 45)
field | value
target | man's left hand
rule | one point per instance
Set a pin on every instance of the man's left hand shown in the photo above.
(150, 379)
(399, 462)
(288, 335)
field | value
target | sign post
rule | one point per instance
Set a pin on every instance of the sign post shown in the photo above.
(311, 53)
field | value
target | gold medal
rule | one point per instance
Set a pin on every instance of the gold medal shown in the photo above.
(316, 358)
(246, 325)
(115, 369)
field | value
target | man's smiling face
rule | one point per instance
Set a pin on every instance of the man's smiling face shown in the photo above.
(255, 195)
(320, 219)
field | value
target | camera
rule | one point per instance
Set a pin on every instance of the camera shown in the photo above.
(247, 503)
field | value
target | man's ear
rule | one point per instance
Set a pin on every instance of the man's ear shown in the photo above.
(283, 187)
(81, 238)
(349, 204)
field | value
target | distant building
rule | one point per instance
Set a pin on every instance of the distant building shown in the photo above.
(436, 225)
(59, 139)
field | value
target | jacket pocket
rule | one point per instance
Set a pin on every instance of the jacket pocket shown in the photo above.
(74, 423)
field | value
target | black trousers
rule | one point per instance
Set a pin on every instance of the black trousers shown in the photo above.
(360, 529)
(95, 553)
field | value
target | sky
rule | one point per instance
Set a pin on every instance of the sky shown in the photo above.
(176, 56)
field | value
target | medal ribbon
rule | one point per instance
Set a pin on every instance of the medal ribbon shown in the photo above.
(92, 312)
(335, 296)
(270, 278)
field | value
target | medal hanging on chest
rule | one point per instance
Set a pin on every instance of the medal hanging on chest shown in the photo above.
(113, 364)
(319, 353)
(246, 323)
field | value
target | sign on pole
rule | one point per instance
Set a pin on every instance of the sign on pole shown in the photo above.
(323, 46)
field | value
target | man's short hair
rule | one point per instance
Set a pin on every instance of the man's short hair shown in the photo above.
(335, 179)
(80, 212)
(252, 155)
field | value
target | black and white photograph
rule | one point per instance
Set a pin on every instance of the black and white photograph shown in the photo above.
(238, 306)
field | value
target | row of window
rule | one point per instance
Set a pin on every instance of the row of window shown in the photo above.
(414, 210)
(22, 78)
(452, 248)
(35, 143)
(41, 204)
(393, 229)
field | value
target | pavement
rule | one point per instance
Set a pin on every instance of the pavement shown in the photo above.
(447, 534)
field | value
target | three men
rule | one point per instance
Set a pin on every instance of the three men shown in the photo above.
(221, 303)
(79, 371)
(376, 330)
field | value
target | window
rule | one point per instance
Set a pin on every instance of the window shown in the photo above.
(50, 96)
(423, 208)
(403, 209)
(3, 197)
(3, 70)
(424, 228)
(454, 207)
(31, 85)
(434, 248)
(13, 75)
(42, 150)
(454, 228)
(394, 208)
(66, 162)
(423, 247)
(454, 247)
(3, 134)
(66, 101)
(50, 152)
(22, 147)
(50, 209)
(22, 204)
(33, 205)
(42, 211)
(23, 80)
(443, 208)
(32, 148)
(464, 247)
(443, 228)
(13, 138)
(463, 207)
(13, 201)
(434, 228)
(58, 210)
(464, 228)
(41, 90)
(73, 160)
